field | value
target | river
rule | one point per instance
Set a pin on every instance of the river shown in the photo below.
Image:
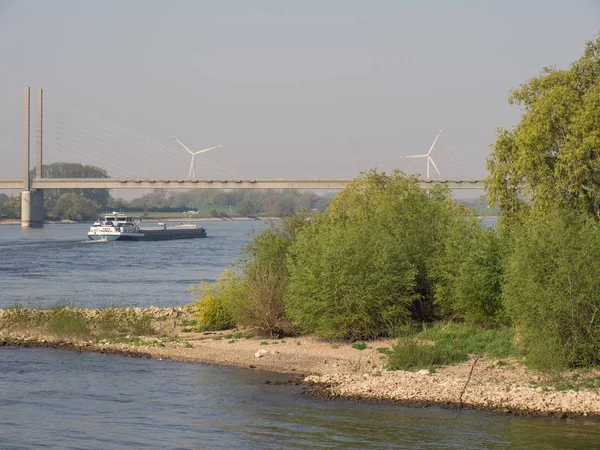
(59, 399)
(40, 266)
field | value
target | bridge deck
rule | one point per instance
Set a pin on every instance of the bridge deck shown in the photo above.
(186, 183)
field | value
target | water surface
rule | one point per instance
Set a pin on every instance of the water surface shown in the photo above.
(44, 265)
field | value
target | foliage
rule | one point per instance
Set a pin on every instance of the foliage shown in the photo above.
(469, 274)
(366, 266)
(11, 208)
(552, 155)
(448, 343)
(350, 282)
(552, 288)
(219, 203)
(211, 301)
(266, 278)
(74, 207)
(73, 170)
(412, 355)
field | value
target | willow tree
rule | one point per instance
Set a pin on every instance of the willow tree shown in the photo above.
(552, 156)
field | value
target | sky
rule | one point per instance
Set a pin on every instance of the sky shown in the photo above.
(304, 89)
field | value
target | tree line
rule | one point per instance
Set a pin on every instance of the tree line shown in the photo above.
(86, 204)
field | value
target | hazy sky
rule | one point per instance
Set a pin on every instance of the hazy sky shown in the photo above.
(311, 88)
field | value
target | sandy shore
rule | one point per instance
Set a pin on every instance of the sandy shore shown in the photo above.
(339, 370)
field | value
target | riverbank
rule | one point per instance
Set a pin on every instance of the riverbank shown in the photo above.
(331, 370)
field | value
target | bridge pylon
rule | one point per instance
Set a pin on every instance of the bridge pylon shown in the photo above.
(32, 200)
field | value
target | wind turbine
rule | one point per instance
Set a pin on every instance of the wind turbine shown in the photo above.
(428, 156)
(192, 173)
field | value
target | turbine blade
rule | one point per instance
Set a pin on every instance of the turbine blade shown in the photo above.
(183, 145)
(432, 145)
(434, 166)
(207, 149)
(414, 156)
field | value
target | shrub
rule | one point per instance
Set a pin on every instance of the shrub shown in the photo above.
(469, 274)
(211, 301)
(418, 220)
(552, 289)
(350, 282)
(266, 279)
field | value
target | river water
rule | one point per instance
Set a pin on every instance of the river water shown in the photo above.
(57, 262)
(60, 399)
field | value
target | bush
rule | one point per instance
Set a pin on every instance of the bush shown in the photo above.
(469, 274)
(351, 282)
(212, 300)
(418, 220)
(367, 265)
(552, 289)
(266, 278)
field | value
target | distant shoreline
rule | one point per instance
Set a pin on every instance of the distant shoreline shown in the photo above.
(162, 219)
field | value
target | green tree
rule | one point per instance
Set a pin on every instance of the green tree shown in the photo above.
(11, 209)
(73, 170)
(365, 266)
(553, 154)
(266, 278)
(350, 282)
(74, 207)
(552, 288)
(469, 273)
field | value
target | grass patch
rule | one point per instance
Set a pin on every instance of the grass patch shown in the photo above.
(359, 345)
(264, 343)
(448, 344)
(238, 335)
(65, 319)
(117, 321)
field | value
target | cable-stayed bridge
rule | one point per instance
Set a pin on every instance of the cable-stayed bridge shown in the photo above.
(142, 162)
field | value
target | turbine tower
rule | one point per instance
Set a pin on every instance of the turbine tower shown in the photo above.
(192, 173)
(428, 156)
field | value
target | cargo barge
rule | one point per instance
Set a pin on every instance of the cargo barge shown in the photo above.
(118, 227)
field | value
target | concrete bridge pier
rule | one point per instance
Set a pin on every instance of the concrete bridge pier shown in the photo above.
(32, 200)
(32, 208)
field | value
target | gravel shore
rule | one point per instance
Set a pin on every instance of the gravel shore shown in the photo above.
(339, 370)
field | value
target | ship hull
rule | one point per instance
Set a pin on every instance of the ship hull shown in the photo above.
(150, 235)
